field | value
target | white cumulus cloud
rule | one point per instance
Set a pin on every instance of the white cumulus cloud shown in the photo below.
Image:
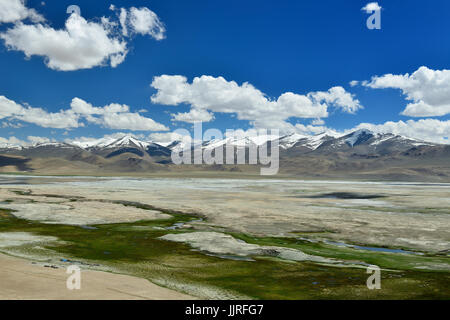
(38, 116)
(340, 98)
(15, 10)
(141, 21)
(112, 116)
(207, 95)
(30, 141)
(115, 116)
(82, 107)
(131, 121)
(81, 44)
(36, 140)
(371, 6)
(427, 89)
(146, 22)
(5, 142)
(194, 115)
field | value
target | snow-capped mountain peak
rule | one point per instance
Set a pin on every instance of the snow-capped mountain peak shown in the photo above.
(127, 141)
(113, 142)
(244, 142)
(94, 143)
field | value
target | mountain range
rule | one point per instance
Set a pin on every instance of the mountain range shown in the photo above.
(361, 155)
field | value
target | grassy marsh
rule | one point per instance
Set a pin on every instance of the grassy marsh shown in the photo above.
(134, 248)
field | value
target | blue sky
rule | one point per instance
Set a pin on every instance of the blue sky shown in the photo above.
(277, 46)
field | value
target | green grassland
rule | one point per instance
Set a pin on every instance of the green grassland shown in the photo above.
(134, 248)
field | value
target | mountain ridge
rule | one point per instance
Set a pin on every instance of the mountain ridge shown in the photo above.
(361, 153)
(286, 141)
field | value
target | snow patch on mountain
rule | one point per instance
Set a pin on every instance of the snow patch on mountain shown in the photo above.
(359, 136)
(289, 141)
(382, 138)
(316, 141)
